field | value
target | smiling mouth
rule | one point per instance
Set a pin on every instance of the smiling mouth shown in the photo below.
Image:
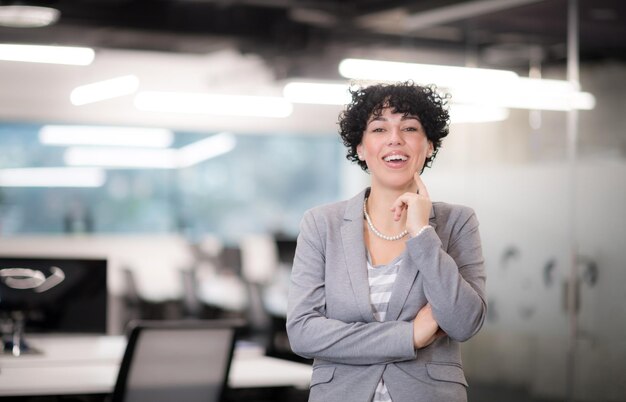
(396, 158)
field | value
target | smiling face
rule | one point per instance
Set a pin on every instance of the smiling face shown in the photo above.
(394, 146)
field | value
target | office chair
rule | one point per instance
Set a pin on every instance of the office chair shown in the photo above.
(168, 361)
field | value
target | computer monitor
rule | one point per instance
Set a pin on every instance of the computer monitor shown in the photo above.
(60, 295)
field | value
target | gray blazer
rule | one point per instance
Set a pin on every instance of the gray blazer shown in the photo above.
(330, 319)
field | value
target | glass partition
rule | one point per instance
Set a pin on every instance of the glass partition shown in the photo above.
(264, 184)
(516, 175)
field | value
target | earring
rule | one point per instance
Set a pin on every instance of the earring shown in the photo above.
(360, 157)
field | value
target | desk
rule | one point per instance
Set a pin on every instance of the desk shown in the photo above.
(88, 364)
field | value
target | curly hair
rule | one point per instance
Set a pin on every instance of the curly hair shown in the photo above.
(407, 98)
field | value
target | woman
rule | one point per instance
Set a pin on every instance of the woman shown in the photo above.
(385, 285)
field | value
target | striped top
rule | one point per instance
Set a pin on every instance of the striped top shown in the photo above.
(381, 279)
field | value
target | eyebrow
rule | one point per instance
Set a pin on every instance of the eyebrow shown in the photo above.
(381, 118)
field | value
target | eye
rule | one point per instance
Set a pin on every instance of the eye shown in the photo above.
(377, 130)
(411, 129)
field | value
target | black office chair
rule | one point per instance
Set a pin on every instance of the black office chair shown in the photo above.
(167, 361)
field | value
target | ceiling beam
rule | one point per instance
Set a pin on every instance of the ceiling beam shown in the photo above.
(458, 12)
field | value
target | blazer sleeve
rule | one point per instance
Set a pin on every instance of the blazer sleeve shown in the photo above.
(454, 281)
(313, 335)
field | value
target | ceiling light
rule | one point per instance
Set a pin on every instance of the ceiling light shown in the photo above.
(528, 93)
(52, 177)
(210, 104)
(19, 16)
(318, 93)
(476, 86)
(121, 157)
(102, 90)
(477, 114)
(104, 135)
(79, 56)
(115, 157)
(207, 148)
(337, 94)
(443, 76)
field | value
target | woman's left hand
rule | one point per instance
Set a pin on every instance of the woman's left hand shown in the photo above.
(417, 206)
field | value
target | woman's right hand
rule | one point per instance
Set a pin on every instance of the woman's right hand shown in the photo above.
(425, 328)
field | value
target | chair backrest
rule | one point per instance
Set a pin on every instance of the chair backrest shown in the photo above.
(176, 361)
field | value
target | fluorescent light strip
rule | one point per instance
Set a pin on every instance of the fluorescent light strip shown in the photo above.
(19, 16)
(112, 136)
(554, 94)
(52, 177)
(102, 90)
(445, 76)
(121, 157)
(79, 56)
(317, 93)
(210, 104)
(186, 156)
(207, 148)
(477, 114)
(522, 93)
(528, 93)
(337, 94)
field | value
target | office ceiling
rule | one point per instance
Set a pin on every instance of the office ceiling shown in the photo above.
(254, 47)
(292, 34)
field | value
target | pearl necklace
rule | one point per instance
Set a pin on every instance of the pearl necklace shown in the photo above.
(375, 231)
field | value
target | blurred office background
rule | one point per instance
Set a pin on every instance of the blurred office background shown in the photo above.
(200, 220)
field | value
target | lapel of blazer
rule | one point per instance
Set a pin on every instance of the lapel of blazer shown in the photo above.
(404, 281)
(354, 254)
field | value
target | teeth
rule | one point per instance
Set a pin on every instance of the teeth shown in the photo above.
(395, 158)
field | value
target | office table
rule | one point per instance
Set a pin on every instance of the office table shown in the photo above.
(88, 364)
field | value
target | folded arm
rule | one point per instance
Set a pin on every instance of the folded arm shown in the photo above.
(313, 335)
(454, 281)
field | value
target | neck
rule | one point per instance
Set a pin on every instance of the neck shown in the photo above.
(388, 195)
(379, 204)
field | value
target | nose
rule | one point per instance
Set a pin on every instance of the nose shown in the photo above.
(395, 137)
